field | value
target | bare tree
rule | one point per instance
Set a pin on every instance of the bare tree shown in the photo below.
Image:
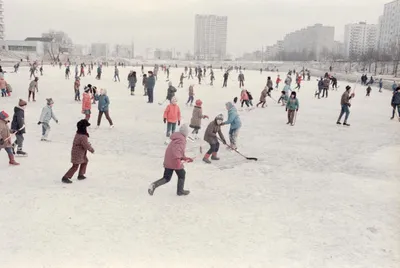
(395, 53)
(59, 42)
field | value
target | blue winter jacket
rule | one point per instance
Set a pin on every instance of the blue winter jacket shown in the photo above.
(233, 117)
(104, 101)
(151, 81)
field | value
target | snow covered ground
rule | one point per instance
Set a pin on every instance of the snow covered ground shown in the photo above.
(321, 195)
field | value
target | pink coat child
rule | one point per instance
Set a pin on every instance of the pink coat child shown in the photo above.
(3, 87)
(86, 104)
(174, 156)
(244, 98)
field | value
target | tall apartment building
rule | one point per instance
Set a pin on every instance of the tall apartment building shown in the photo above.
(1, 20)
(359, 38)
(210, 37)
(314, 41)
(389, 26)
(99, 50)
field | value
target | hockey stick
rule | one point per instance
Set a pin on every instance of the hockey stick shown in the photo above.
(248, 158)
(161, 103)
(14, 133)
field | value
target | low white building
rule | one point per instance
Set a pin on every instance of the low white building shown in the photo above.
(33, 47)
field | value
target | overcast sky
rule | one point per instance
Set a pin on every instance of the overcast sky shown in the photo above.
(168, 24)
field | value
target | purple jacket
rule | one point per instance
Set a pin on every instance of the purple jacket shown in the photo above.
(175, 152)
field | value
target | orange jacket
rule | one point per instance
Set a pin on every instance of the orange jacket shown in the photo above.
(172, 113)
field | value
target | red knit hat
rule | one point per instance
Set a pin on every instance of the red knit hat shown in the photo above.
(199, 103)
(3, 115)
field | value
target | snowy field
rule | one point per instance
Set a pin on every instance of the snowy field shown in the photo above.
(321, 195)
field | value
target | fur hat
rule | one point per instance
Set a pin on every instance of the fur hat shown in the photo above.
(82, 127)
(50, 101)
(219, 117)
(22, 103)
(199, 103)
(348, 87)
(4, 115)
(184, 129)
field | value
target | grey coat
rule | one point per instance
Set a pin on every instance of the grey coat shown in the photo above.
(210, 135)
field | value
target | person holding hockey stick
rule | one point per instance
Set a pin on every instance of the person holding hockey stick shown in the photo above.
(174, 156)
(235, 124)
(210, 136)
(18, 127)
(345, 104)
(80, 146)
(263, 97)
(5, 138)
(292, 107)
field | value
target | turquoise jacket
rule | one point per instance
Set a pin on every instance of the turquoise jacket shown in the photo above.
(104, 102)
(233, 117)
(292, 104)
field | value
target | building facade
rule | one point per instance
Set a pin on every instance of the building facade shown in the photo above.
(99, 50)
(210, 37)
(1, 20)
(124, 51)
(28, 47)
(389, 27)
(162, 54)
(359, 39)
(311, 43)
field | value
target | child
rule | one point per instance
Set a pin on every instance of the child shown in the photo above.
(172, 115)
(292, 106)
(8, 89)
(3, 86)
(234, 121)
(80, 146)
(212, 78)
(5, 137)
(41, 70)
(144, 81)
(270, 86)
(104, 103)
(86, 103)
(244, 98)
(278, 80)
(181, 80)
(18, 126)
(210, 136)
(174, 156)
(368, 91)
(283, 98)
(45, 117)
(170, 91)
(380, 85)
(197, 115)
(77, 84)
(298, 82)
(132, 82)
(263, 97)
(191, 95)
(250, 97)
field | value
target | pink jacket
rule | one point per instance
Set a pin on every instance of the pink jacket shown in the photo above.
(3, 83)
(86, 103)
(175, 152)
(172, 113)
(244, 95)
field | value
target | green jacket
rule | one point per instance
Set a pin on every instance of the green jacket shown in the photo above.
(292, 104)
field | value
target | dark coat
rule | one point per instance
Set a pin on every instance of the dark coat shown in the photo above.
(79, 150)
(18, 120)
(210, 135)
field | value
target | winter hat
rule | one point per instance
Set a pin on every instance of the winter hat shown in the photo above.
(184, 129)
(82, 127)
(199, 103)
(89, 86)
(22, 103)
(348, 87)
(169, 83)
(87, 89)
(3, 115)
(174, 100)
(229, 105)
(50, 101)
(219, 117)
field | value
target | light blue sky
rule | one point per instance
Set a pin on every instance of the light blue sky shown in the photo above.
(170, 23)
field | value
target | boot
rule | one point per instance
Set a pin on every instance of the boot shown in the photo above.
(156, 184)
(21, 153)
(81, 177)
(214, 156)
(338, 123)
(12, 161)
(181, 184)
(345, 124)
(66, 180)
(205, 158)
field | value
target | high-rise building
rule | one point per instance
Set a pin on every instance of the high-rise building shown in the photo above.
(309, 43)
(1, 20)
(360, 38)
(210, 37)
(389, 26)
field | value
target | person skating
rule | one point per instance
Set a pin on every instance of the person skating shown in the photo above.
(345, 105)
(33, 86)
(3, 86)
(235, 124)
(171, 91)
(200, 75)
(144, 82)
(284, 98)
(394, 86)
(191, 95)
(41, 70)
(288, 82)
(86, 103)
(99, 71)
(244, 98)
(368, 91)
(278, 80)
(5, 137)
(241, 79)
(45, 117)
(172, 116)
(320, 88)
(298, 82)
(132, 81)
(150, 84)
(263, 97)
(181, 80)
(104, 103)
(226, 75)
(67, 72)
(82, 71)
(292, 107)
(116, 74)
(77, 85)
(190, 73)
(18, 127)
(32, 72)
(396, 103)
(80, 146)
(212, 78)
(334, 82)
(270, 85)
(380, 85)
(250, 97)
(197, 116)
(325, 88)
(210, 136)
(174, 156)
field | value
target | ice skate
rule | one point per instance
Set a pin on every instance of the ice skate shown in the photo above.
(81, 177)
(345, 124)
(21, 153)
